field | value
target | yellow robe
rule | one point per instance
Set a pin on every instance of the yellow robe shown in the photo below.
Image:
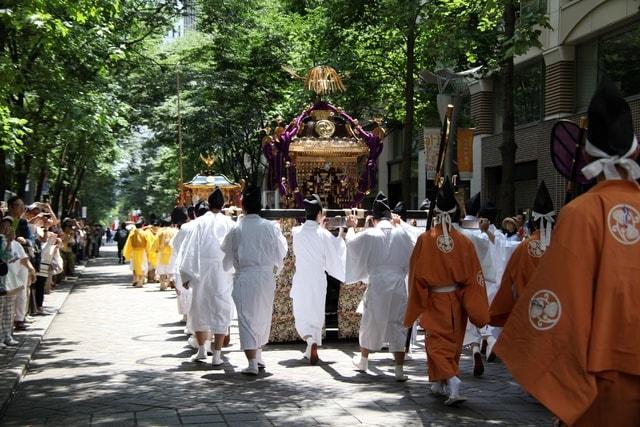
(162, 245)
(152, 255)
(135, 251)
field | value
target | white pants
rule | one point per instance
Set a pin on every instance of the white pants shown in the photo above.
(21, 304)
(253, 293)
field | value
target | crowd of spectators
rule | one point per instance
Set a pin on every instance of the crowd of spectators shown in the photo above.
(37, 252)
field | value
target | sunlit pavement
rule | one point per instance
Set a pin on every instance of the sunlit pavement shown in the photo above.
(117, 355)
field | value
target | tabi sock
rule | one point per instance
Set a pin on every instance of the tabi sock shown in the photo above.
(453, 384)
(253, 363)
(202, 352)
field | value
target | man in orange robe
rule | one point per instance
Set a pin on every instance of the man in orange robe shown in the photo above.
(573, 338)
(446, 286)
(525, 258)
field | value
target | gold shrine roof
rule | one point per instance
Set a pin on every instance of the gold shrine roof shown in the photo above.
(328, 146)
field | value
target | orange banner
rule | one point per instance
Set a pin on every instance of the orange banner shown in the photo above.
(465, 153)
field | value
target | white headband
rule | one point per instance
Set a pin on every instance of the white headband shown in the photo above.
(546, 221)
(606, 163)
(444, 218)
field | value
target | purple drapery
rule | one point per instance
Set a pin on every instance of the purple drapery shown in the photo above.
(277, 155)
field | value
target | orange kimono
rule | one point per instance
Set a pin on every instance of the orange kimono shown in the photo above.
(573, 338)
(520, 268)
(438, 263)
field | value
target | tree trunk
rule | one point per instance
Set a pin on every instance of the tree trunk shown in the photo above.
(23, 167)
(5, 178)
(74, 194)
(57, 187)
(407, 131)
(508, 147)
(42, 176)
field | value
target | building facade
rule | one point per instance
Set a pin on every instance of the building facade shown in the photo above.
(588, 40)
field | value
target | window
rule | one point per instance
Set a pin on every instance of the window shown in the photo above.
(533, 6)
(586, 73)
(619, 58)
(528, 93)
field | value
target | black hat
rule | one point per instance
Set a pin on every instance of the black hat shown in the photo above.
(251, 198)
(178, 215)
(139, 223)
(381, 207)
(610, 122)
(446, 199)
(400, 209)
(312, 206)
(425, 205)
(473, 205)
(216, 199)
(202, 207)
(543, 204)
(191, 212)
(488, 211)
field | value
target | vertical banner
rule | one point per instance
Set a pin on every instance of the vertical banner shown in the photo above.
(84, 212)
(465, 153)
(431, 147)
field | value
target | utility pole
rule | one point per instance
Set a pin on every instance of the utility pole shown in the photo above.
(179, 125)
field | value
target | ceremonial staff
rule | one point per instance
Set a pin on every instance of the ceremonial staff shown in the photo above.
(442, 155)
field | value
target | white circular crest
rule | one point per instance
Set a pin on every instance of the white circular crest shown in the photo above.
(535, 249)
(544, 310)
(445, 244)
(624, 224)
(480, 278)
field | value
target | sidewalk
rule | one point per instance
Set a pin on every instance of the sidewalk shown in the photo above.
(14, 361)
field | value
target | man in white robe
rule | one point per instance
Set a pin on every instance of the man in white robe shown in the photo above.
(487, 242)
(317, 251)
(255, 248)
(201, 268)
(178, 220)
(380, 257)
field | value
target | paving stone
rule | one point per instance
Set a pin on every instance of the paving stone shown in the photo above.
(202, 419)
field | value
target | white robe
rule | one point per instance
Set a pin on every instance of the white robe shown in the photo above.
(485, 250)
(184, 295)
(317, 251)
(255, 248)
(201, 265)
(380, 257)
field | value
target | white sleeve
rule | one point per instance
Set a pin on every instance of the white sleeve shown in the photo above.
(335, 251)
(356, 259)
(19, 250)
(188, 260)
(413, 232)
(228, 248)
(280, 249)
